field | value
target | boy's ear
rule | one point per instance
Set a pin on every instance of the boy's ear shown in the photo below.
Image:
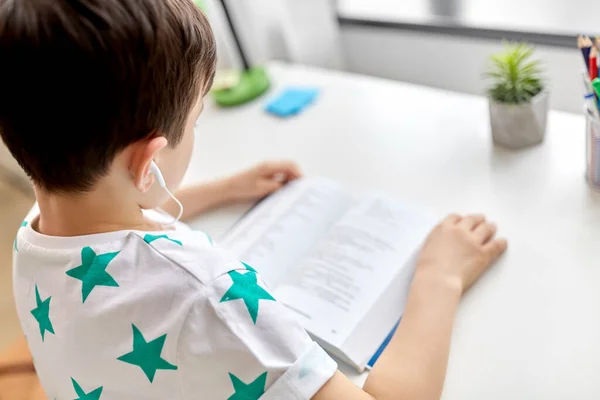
(142, 154)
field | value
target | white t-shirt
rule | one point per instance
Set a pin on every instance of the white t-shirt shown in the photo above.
(156, 315)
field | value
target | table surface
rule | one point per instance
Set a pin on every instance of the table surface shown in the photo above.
(530, 329)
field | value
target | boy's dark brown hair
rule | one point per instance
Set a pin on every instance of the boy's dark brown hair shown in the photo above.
(80, 80)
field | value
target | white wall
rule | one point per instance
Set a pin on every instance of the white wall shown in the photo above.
(303, 31)
(453, 63)
(258, 28)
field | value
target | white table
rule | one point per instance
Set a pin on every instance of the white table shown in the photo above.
(530, 329)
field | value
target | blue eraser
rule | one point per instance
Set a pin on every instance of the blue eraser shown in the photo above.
(291, 101)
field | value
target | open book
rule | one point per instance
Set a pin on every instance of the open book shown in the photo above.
(342, 264)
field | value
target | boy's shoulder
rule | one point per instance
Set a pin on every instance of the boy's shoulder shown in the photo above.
(194, 252)
(181, 260)
(191, 254)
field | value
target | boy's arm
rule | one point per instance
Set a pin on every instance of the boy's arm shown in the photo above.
(248, 185)
(200, 198)
(413, 366)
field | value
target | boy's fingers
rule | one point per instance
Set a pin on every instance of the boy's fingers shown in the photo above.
(495, 248)
(267, 186)
(484, 232)
(287, 167)
(471, 221)
(452, 219)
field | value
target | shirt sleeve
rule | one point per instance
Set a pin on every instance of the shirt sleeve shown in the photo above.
(239, 343)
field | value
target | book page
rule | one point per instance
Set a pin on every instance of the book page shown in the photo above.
(275, 235)
(337, 283)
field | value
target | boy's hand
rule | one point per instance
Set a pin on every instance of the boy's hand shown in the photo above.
(262, 180)
(459, 250)
(252, 184)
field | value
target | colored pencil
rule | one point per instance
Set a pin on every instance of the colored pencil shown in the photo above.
(589, 96)
(590, 51)
(596, 44)
(585, 51)
(593, 64)
(587, 41)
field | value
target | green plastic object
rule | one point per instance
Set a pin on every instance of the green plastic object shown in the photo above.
(253, 83)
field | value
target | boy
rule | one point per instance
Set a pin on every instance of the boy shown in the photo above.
(115, 304)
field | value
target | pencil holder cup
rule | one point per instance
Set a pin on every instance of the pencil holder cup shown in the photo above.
(592, 140)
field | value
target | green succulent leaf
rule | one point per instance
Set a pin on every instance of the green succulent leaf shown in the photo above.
(514, 77)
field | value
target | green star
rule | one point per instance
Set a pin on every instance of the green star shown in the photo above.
(249, 268)
(311, 363)
(304, 372)
(42, 313)
(209, 239)
(93, 395)
(251, 391)
(146, 355)
(23, 224)
(245, 287)
(92, 271)
(151, 238)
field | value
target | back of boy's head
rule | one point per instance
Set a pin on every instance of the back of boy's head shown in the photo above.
(80, 80)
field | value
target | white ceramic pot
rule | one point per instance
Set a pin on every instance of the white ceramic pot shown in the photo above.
(519, 125)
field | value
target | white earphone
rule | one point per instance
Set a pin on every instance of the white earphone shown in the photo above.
(154, 170)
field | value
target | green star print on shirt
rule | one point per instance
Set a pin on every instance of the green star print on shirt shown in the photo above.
(245, 287)
(251, 391)
(92, 271)
(148, 238)
(249, 268)
(23, 224)
(42, 313)
(109, 316)
(146, 355)
(210, 241)
(93, 395)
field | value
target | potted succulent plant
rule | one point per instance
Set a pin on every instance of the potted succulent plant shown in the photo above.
(518, 100)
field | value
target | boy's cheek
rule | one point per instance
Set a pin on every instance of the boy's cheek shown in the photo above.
(180, 159)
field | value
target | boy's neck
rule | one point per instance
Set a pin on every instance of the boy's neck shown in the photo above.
(88, 213)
